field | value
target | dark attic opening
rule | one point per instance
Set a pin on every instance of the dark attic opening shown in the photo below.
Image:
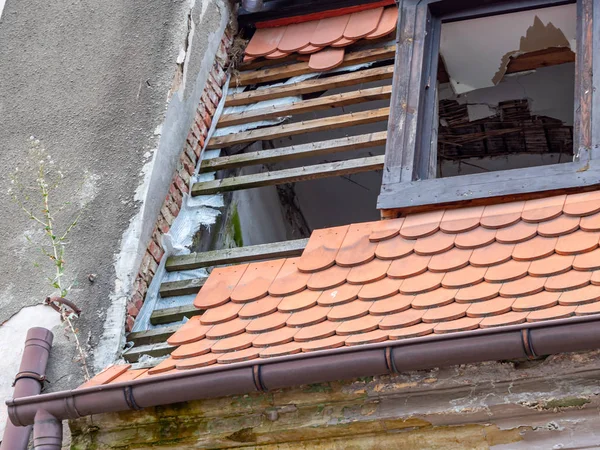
(505, 97)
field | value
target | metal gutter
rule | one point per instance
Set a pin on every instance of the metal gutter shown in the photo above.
(28, 382)
(527, 340)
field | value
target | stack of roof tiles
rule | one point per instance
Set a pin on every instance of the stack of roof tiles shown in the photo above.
(438, 272)
(324, 40)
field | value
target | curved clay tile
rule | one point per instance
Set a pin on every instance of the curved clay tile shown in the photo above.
(343, 42)
(386, 24)
(264, 41)
(362, 23)
(277, 54)
(385, 229)
(289, 280)
(219, 286)
(329, 30)
(356, 247)
(309, 49)
(297, 36)
(583, 204)
(256, 280)
(322, 248)
(502, 215)
(326, 59)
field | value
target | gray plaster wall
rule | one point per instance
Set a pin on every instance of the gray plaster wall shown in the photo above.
(94, 82)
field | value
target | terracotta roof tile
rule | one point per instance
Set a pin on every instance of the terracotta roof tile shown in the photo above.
(329, 278)
(397, 293)
(394, 248)
(542, 209)
(339, 295)
(323, 344)
(533, 302)
(322, 249)
(289, 280)
(297, 302)
(420, 329)
(343, 42)
(590, 223)
(369, 337)
(391, 305)
(108, 375)
(387, 23)
(461, 220)
(409, 266)
(191, 331)
(309, 49)
(327, 59)
(256, 280)
(385, 229)
(518, 232)
(362, 23)
(583, 204)
(434, 299)
(297, 36)
(217, 289)
(264, 41)
(501, 215)
(356, 247)
(453, 259)
(310, 316)
(329, 30)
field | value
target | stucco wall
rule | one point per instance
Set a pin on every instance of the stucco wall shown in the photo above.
(100, 85)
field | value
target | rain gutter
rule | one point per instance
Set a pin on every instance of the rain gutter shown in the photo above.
(528, 340)
(28, 382)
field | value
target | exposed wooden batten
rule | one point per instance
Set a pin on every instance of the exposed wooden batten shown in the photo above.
(155, 350)
(307, 126)
(175, 314)
(310, 86)
(293, 175)
(320, 148)
(182, 287)
(236, 255)
(302, 68)
(305, 106)
(153, 336)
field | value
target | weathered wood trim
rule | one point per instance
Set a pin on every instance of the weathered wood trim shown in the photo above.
(491, 187)
(306, 126)
(310, 86)
(304, 173)
(182, 287)
(320, 148)
(595, 81)
(155, 350)
(236, 255)
(302, 68)
(582, 129)
(175, 314)
(305, 106)
(152, 336)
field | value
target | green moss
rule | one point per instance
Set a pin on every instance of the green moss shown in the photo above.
(570, 402)
(236, 227)
(318, 387)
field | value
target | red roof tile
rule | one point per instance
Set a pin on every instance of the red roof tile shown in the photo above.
(403, 294)
(323, 39)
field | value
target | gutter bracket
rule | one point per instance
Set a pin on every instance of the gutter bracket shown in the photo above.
(31, 375)
(527, 344)
(128, 393)
(389, 360)
(260, 387)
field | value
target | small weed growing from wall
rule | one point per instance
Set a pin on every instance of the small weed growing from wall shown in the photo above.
(32, 187)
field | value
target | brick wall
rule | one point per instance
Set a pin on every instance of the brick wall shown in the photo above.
(185, 168)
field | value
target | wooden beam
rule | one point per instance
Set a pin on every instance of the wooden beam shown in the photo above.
(175, 314)
(152, 336)
(490, 187)
(310, 86)
(302, 68)
(305, 106)
(294, 152)
(236, 255)
(326, 170)
(306, 126)
(542, 58)
(183, 287)
(155, 350)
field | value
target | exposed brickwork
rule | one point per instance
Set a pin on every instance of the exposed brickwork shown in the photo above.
(185, 168)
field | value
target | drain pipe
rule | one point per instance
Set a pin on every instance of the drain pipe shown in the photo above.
(28, 382)
(47, 431)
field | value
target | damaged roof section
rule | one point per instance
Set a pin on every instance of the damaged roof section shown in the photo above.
(507, 43)
(435, 273)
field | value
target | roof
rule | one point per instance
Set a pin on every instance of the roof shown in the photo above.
(439, 272)
(322, 41)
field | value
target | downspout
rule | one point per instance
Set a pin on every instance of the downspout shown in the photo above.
(520, 341)
(28, 382)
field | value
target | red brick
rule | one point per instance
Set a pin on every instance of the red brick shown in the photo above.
(144, 267)
(191, 138)
(176, 195)
(181, 184)
(208, 104)
(140, 286)
(162, 225)
(185, 176)
(166, 213)
(212, 94)
(200, 110)
(200, 145)
(215, 85)
(153, 267)
(222, 55)
(196, 133)
(189, 151)
(203, 128)
(188, 164)
(207, 121)
(129, 323)
(155, 249)
(219, 75)
(132, 310)
(138, 300)
(174, 210)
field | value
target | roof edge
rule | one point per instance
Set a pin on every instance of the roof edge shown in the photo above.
(528, 340)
